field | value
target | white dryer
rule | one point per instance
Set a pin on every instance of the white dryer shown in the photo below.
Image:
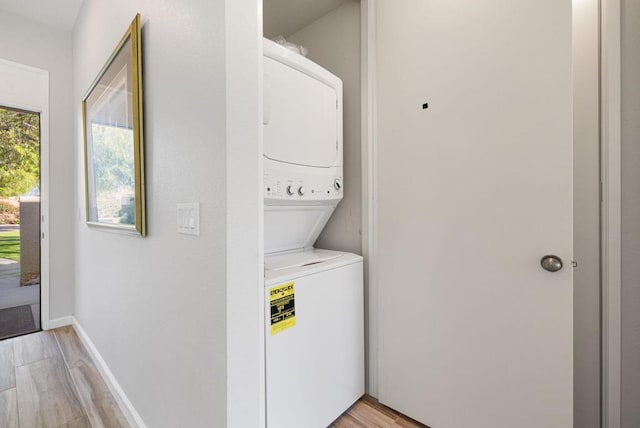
(302, 148)
(314, 319)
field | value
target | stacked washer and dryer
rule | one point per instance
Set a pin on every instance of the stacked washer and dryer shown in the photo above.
(314, 300)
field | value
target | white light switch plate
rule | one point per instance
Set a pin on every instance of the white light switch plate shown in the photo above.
(189, 218)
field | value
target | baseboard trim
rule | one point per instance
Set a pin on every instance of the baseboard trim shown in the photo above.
(133, 417)
(57, 323)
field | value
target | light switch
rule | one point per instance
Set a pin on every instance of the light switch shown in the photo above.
(189, 218)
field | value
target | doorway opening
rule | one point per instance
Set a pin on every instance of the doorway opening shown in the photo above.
(20, 248)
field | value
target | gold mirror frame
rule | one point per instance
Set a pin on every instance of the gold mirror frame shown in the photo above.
(128, 119)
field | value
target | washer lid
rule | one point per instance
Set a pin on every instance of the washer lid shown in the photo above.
(301, 123)
(299, 259)
(289, 267)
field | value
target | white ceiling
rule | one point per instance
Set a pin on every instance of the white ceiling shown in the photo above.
(281, 17)
(59, 14)
(285, 17)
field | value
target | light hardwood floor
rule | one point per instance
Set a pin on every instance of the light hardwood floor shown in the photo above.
(368, 413)
(48, 380)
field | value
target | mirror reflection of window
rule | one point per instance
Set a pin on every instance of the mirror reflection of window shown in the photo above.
(112, 146)
(113, 173)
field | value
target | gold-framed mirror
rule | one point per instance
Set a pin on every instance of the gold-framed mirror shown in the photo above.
(113, 140)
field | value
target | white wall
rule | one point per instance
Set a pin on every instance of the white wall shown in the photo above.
(284, 17)
(630, 376)
(36, 45)
(155, 307)
(334, 43)
(245, 216)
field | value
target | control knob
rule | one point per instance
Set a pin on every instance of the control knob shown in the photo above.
(301, 191)
(290, 190)
(337, 184)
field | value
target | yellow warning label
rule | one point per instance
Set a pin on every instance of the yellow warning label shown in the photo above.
(283, 307)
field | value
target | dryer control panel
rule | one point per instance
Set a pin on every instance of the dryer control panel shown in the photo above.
(288, 188)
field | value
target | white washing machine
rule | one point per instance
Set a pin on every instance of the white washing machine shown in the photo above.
(315, 337)
(314, 298)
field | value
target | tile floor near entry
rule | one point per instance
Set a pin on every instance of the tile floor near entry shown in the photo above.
(13, 295)
(48, 380)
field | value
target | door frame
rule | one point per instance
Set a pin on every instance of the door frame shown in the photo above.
(587, 215)
(369, 145)
(611, 165)
(33, 95)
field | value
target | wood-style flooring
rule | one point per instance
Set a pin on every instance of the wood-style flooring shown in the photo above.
(48, 380)
(368, 413)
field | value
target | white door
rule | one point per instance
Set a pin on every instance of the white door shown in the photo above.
(472, 192)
